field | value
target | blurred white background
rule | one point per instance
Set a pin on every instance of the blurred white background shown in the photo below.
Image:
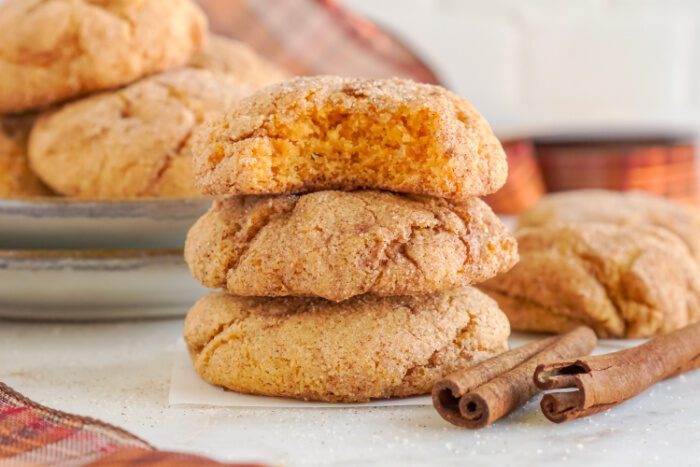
(551, 67)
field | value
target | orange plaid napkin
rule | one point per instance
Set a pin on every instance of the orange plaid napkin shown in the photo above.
(664, 168)
(524, 185)
(33, 435)
(316, 37)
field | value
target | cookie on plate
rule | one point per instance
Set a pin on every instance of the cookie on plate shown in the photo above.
(135, 142)
(360, 349)
(333, 133)
(621, 280)
(230, 56)
(16, 178)
(630, 208)
(336, 245)
(54, 50)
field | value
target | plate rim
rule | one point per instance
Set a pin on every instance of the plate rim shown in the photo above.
(100, 253)
(154, 208)
(74, 259)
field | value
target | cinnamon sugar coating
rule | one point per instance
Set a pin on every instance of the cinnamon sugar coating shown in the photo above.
(360, 349)
(16, 178)
(622, 281)
(326, 132)
(54, 50)
(135, 142)
(337, 245)
(630, 208)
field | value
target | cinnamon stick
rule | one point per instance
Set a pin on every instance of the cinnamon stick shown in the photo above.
(480, 395)
(604, 381)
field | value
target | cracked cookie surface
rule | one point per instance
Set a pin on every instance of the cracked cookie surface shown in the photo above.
(326, 132)
(16, 178)
(52, 50)
(630, 208)
(622, 281)
(239, 60)
(135, 142)
(337, 245)
(360, 349)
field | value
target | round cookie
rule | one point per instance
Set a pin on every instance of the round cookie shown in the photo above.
(53, 50)
(135, 142)
(333, 133)
(360, 349)
(16, 178)
(239, 60)
(336, 245)
(630, 208)
(621, 280)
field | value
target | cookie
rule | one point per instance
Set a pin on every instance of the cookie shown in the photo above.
(230, 56)
(54, 50)
(621, 280)
(130, 143)
(16, 178)
(360, 349)
(336, 245)
(332, 133)
(631, 208)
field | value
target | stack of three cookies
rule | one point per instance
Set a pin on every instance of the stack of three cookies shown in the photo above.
(346, 293)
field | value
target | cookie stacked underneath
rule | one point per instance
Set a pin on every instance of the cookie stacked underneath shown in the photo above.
(346, 235)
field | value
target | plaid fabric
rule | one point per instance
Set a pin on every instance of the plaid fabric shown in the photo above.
(315, 37)
(33, 435)
(664, 168)
(524, 185)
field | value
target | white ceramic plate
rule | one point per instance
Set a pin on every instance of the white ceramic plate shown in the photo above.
(54, 223)
(95, 285)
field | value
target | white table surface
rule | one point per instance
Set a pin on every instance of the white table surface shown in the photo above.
(119, 372)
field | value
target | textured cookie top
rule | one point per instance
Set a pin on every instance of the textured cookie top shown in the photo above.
(356, 350)
(230, 56)
(336, 245)
(623, 281)
(133, 142)
(631, 208)
(16, 179)
(52, 50)
(327, 132)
